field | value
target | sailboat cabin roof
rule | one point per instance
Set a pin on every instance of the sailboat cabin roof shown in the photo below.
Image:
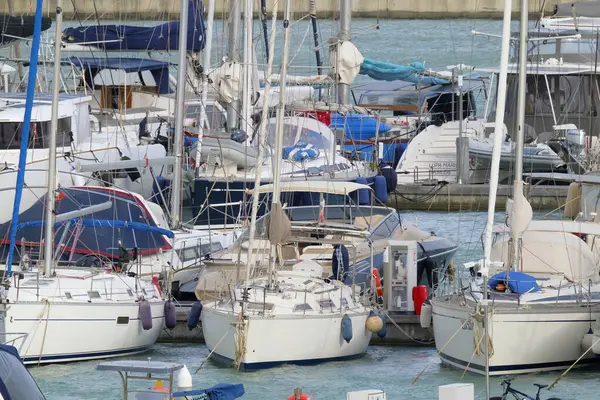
(12, 106)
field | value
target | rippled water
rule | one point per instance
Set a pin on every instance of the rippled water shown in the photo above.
(438, 44)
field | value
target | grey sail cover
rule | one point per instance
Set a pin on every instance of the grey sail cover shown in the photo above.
(280, 227)
(579, 9)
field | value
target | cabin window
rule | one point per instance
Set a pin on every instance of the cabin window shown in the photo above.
(68, 295)
(328, 303)
(302, 307)
(209, 248)
(39, 134)
(93, 295)
(144, 291)
(344, 302)
(129, 292)
(188, 254)
(259, 306)
(384, 230)
(122, 320)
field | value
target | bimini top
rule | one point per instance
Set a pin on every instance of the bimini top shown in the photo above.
(163, 37)
(15, 381)
(92, 66)
(326, 187)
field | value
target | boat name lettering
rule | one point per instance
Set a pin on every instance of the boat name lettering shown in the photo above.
(443, 165)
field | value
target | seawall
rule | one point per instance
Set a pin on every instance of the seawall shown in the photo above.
(398, 9)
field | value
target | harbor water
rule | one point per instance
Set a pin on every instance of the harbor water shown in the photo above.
(437, 43)
(393, 369)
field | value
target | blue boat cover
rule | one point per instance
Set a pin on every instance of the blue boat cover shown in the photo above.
(91, 66)
(358, 126)
(163, 37)
(301, 151)
(222, 391)
(127, 220)
(384, 71)
(517, 282)
(15, 381)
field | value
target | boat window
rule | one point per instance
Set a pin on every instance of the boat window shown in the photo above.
(15, 380)
(94, 295)
(129, 292)
(122, 320)
(344, 302)
(302, 307)
(39, 134)
(259, 306)
(68, 295)
(384, 230)
(144, 291)
(317, 140)
(209, 248)
(289, 134)
(327, 303)
(188, 254)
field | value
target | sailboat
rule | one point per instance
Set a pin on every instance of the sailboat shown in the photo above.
(57, 313)
(535, 288)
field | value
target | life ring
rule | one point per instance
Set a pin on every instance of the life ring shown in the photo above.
(378, 286)
(303, 396)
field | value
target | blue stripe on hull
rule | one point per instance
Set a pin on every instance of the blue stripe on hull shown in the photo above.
(84, 356)
(270, 364)
(519, 368)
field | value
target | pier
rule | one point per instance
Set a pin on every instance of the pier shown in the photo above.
(406, 9)
(469, 197)
(402, 329)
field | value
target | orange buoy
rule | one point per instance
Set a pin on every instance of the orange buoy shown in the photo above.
(378, 287)
(303, 396)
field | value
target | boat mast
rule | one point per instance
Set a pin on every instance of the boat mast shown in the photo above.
(343, 36)
(179, 117)
(51, 196)
(233, 54)
(494, 175)
(206, 68)
(247, 72)
(263, 142)
(279, 125)
(26, 128)
(518, 182)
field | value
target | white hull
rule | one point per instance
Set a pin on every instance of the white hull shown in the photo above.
(280, 340)
(544, 338)
(60, 332)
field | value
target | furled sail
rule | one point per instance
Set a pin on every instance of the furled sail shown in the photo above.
(161, 37)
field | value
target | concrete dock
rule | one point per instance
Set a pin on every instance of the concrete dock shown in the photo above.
(402, 329)
(161, 10)
(468, 197)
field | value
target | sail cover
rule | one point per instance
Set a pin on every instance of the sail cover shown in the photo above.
(384, 71)
(163, 37)
(15, 28)
(127, 220)
(590, 9)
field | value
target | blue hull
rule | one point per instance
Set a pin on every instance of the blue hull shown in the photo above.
(270, 364)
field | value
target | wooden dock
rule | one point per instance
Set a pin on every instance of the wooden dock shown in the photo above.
(470, 197)
(402, 329)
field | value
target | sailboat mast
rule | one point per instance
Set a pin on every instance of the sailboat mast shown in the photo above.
(233, 54)
(31, 82)
(179, 117)
(344, 35)
(518, 181)
(494, 174)
(51, 196)
(277, 157)
(248, 51)
(206, 66)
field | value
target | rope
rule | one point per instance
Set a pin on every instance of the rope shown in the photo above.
(442, 349)
(572, 365)
(240, 341)
(406, 333)
(479, 333)
(212, 351)
(45, 330)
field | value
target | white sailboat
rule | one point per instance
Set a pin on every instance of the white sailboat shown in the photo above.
(540, 300)
(58, 314)
(268, 312)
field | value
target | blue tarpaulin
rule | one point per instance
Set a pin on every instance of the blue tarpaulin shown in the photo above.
(222, 391)
(384, 71)
(517, 282)
(163, 37)
(91, 66)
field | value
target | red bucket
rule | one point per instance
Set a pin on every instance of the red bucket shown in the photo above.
(419, 294)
